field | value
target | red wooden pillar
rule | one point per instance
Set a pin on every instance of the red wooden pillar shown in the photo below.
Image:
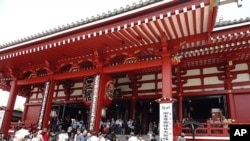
(105, 85)
(180, 109)
(134, 87)
(133, 108)
(230, 97)
(46, 117)
(231, 106)
(166, 77)
(10, 107)
(166, 108)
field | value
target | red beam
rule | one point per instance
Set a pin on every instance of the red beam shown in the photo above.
(77, 74)
(132, 67)
(33, 80)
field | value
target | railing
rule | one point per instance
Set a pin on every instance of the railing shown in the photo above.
(209, 129)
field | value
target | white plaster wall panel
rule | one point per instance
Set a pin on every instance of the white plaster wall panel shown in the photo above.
(159, 85)
(159, 76)
(147, 86)
(40, 95)
(60, 94)
(241, 87)
(77, 85)
(212, 80)
(35, 89)
(239, 67)
(213, 89)
(33, 96)
(210, 70)
(60, 86)
(77, 92)
(125, 88)
(194, 90)
(193, 82)
(241, 77)
(148, 77)
(122, 80)
(192, 72)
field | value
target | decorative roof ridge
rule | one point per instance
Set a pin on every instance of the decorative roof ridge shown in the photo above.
(222, 23)
(87, 20)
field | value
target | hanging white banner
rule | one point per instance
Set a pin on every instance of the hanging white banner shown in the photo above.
(93, 106)
(43, 106)
(2, 112)
(166, 122)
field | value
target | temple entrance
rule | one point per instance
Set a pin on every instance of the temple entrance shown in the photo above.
(146, 112)
(201, 108)
(67, 114)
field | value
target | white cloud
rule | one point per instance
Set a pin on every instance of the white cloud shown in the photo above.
(27, 17)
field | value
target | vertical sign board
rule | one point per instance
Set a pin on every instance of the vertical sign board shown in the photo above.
(46, 92)
(166, 122)
(2, 112)
(93, 106)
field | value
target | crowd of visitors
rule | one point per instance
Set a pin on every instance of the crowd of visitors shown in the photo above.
(76, 130)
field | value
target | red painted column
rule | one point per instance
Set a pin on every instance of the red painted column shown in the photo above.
(10, 107)
(166, 77)
(134, 87)
(230, 97)
(180, 109)
(105, 81)
(46, 117)
(231, 106)
(133, 107)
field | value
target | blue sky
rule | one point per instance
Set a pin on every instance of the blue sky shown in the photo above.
(21, 18)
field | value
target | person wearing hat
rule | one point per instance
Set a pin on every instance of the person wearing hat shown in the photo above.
(181, 137)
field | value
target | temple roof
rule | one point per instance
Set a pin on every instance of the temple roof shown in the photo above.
(143, 4)
(75, 24)
(187, 26)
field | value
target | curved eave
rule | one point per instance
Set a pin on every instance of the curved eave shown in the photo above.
(91, 23)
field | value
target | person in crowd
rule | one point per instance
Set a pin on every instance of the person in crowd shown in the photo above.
(45, 134)
(117, 139)
(132, 137)
(36, 136)
(78, 136)
(153, 138)
(101, 137)
(111, 136)
(85, 135)
(93, 136)
(140, 138)
(63, 136)
(26, 138)
(130, 124)
(181, 137)
(155, 128)
(150, 133)
(224, 122)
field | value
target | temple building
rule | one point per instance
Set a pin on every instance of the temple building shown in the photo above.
(125, 63)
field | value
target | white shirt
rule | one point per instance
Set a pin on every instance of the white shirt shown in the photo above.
(133, 138)
(63, 137)
(93, 138)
